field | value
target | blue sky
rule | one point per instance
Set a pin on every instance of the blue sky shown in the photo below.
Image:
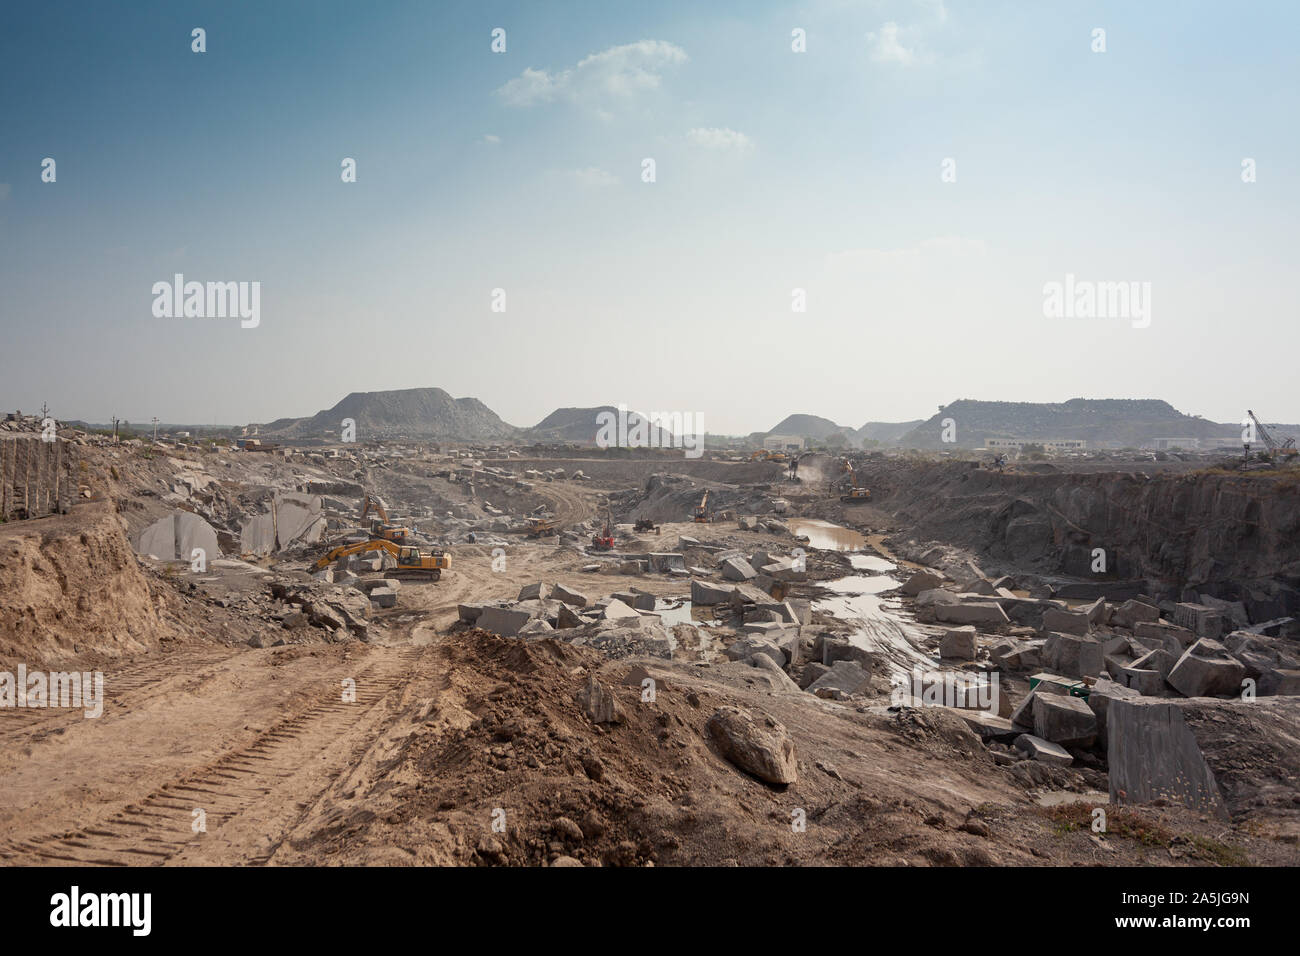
(775, 170)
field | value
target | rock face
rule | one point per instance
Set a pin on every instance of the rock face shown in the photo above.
(757, 745)
(175, 537)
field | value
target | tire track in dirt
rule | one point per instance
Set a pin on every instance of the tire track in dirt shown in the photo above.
(157, 828)
(120, 686)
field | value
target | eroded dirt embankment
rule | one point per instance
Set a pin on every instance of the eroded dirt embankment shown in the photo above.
(1219, 532)
(71, 586)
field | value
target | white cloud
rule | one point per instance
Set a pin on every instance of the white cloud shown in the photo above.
(613, 75)
(595, 176)
(720, 139)
(886, 47)
(492, 139)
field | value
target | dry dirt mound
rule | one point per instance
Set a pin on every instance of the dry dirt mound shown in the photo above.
(70, 585)
(500, 764)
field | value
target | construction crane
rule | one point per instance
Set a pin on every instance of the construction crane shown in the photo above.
(1285, 448)
(380, 527)
(411, 561)
(857, 493)
(701, 510)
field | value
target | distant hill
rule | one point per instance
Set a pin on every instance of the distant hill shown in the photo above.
(811, 426)
(1126, 422)
(580, 425)
(885, 432)
(428, 413)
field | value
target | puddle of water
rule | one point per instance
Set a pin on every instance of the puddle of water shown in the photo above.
(826, 536)
(878, 626)
(683, 612)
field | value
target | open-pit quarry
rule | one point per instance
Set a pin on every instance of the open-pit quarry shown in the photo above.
(963, 670)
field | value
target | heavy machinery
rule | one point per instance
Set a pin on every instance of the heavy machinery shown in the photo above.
(541, 528)
(857, 493)
(1284, 450)
(645, 524)
(379, 526)
(605, 540)
(411, 561)
(765, 455)
(702, 511)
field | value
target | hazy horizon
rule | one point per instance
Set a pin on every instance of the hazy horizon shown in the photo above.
(776, 170)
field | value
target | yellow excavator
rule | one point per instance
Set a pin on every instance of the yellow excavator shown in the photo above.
(857, 493)
(701, 510)
(380, 527)
(411, 561)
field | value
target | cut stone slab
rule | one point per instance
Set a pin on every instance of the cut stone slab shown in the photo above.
(1206, 670)
(922, 581)
(1064, 720)
(988, 726)
(972, 613)
(937, 596)
(1100, 696)
(1131, 613)
(959, 643)
(505, 621)
(704, 593)
(1043, 751)
(469, 613)
(738, 569)
(383, 597)
(566, 618)
(1073, 655)
(748, 646)
(534, 592)
(843, 679)
(617, 610)
(756, 744)
(1066, 622)
(568, 596)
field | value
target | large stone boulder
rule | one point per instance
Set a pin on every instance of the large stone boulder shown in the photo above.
(1064, 720)
(1206, 670)
(569, 596)
(1066, 622)
(843, 679)
(599, 703)
(505, 621)
(738, 569)
(1073, 655)
(758, 745)
(959, 643)
(922, 580)
(704, 593)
